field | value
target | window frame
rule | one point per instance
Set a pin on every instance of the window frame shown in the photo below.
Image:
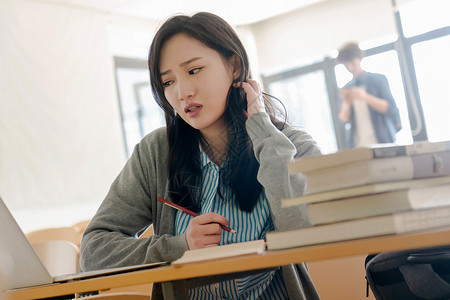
(403, 47)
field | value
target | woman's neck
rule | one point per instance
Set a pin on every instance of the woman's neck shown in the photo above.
(216, 147)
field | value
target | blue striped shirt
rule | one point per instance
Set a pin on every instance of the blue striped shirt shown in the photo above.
(249, 226)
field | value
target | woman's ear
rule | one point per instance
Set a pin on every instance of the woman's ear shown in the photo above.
(235, 63)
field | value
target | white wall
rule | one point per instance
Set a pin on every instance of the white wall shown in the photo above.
(61, 142)
(60, 134)
(301, 36)
(130, 37)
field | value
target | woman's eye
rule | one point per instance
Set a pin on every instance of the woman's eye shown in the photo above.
(167, 83)
(193, 71)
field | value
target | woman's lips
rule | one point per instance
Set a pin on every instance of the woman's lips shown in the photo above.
(193, 110)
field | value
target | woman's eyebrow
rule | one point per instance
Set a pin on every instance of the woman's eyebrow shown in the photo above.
(181, 65)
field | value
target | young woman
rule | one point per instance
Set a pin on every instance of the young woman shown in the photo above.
(222, 154)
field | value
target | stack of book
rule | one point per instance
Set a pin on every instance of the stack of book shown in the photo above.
(370, 191)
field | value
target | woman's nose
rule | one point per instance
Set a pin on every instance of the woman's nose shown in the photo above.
(185, 89)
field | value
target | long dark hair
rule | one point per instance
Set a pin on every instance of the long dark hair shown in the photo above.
(184, 158)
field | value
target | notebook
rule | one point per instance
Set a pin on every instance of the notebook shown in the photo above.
(20, 265)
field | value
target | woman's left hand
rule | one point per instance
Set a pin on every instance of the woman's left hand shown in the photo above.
(255, 101)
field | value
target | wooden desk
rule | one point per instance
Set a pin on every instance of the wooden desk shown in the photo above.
(180, 279)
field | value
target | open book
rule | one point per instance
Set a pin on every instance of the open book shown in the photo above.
(230, 250)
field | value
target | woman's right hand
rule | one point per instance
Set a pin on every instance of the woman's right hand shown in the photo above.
(255, 101)
(205, 231)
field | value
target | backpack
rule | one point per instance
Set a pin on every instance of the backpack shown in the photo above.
(410, 274)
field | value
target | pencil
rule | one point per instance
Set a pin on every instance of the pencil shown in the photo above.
(189, 212)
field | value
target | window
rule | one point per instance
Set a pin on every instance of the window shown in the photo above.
(385, 63)
(306, 100)
(140, 113)
(432, 69)
(416, 67)
(422, 16)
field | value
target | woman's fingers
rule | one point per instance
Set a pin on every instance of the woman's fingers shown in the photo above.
(205, 231)
(197, 240)
(211, 218)
(255, 102)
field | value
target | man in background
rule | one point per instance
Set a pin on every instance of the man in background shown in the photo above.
(367, 102)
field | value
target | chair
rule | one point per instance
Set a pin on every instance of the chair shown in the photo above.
(49, 234)
(58, 256)
(148, 232)
(61, 257)
(79, 230)
(81, 226)
(73, 234)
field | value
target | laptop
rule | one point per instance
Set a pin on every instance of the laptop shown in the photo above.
(20, 265)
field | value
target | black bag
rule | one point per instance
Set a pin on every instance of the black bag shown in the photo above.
(410, 275)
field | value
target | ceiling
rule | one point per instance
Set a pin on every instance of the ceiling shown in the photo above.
(236, 12)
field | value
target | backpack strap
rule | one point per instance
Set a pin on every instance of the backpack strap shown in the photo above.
(424, 282)
(423, 273)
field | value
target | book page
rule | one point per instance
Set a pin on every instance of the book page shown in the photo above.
(230, 250)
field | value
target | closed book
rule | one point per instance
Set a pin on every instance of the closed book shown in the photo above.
(396, 223)
(310, 163)
(219, 252)
(379, 170)
(364, 190)
(378, 204)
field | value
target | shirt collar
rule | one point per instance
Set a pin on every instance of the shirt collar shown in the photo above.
(203, 157)
(205, 160)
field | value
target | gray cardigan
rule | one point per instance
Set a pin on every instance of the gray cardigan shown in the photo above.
(131, 205)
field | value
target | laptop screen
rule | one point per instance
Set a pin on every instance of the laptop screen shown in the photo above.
(20, 266)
